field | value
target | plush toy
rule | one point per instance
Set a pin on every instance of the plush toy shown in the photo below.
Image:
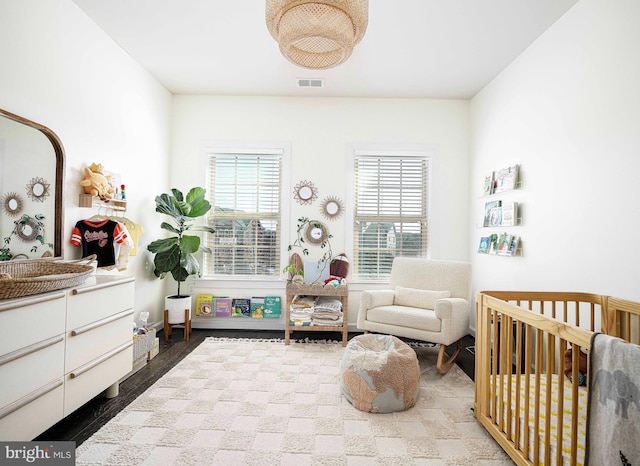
(97, 184)
(582, 366)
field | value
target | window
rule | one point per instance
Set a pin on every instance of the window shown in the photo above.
(390, 211)
(244, 188)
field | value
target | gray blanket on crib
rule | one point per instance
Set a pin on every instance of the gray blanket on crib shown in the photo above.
(613, 420)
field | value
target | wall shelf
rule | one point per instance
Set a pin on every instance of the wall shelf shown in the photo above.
(87, 200)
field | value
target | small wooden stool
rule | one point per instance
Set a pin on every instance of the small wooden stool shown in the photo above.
(186, 324)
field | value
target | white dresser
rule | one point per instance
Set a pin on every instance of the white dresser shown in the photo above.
(61, 349)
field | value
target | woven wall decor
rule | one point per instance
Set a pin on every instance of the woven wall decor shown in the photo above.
(317, 34)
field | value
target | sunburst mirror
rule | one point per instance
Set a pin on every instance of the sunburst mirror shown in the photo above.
(332, 208)
(12, 204)
(37, 189)
(305, 192)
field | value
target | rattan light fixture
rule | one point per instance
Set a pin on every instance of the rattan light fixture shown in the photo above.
(317, 34)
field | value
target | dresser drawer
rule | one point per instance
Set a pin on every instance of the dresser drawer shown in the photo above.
(26, 370)
(30, 320)
(91, 341)
(85, 382)
(30, 416)
(96, 304)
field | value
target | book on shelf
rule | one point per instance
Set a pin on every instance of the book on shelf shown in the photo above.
(272, 307)
(257, 307)
(222, 307)
(493, 243)
(504, 244)
(484, 245)
(506, 178)
(515, 244)
(488, 186)
(204, 305)
(509, 214)
(490, 212)
(241, 307)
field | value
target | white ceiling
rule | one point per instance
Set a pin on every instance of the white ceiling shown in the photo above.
(412, 48)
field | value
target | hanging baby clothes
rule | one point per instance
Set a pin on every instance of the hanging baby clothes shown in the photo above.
(99, 238)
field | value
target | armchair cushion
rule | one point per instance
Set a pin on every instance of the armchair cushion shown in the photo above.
(404, 317)
(413, 297)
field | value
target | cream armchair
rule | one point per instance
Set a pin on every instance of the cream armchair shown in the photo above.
(427, 300)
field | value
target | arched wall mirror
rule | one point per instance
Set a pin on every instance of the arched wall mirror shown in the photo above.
(31, 188)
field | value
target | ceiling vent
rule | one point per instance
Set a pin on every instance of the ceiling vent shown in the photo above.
(310, 83)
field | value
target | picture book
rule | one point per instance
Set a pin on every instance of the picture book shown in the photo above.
(272, 307)
(509, 214)
(495, 216)
(489, 211)
(241, 307)
(222, 307)
(488, 186)
(483, 248)
(493, 243)
(257, 308)
(506, 178)
(504, 244)
(515, 244)
(204, 305)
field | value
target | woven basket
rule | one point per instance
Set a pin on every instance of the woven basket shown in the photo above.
(29, 277)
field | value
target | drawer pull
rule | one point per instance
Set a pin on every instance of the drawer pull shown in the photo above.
(91, 364)
(16, 405)
(22, 352)
(30, 301)
(100, 286)
(100, 323)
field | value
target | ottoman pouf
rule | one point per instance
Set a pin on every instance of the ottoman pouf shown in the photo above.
(380, 374)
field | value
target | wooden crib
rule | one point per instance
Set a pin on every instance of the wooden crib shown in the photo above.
(522, 396)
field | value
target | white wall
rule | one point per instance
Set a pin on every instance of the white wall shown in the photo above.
(568, 111)
(319, 132)
(60, 70)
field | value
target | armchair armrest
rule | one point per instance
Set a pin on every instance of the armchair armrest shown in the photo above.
(454, 314)
(370, 299)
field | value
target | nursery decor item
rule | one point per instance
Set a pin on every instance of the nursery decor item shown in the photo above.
(305, 192)
(317, 34)
(314, 232)
(380, 374)
(97, 184)
(12, 204)
(28, 229)
(37, 189)
(332, 208)
(175, 254)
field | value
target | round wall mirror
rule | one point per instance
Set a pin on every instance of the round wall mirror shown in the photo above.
(332, 208)
(12, 204)
(305, 192)
(28, 231)
(316, 232)
(37, 189)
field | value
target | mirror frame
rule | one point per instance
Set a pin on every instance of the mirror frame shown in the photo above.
(59, 184)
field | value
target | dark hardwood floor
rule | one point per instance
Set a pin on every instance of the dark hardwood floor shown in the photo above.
(85, 421)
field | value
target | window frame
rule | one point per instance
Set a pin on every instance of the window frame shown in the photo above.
(426, 151)
(283, 149)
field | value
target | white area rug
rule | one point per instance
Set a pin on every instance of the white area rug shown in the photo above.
(248, 402)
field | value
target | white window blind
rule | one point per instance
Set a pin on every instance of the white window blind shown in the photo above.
(244, 190)
(391, 210)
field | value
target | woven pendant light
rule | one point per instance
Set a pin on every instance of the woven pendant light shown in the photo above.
(317, 34)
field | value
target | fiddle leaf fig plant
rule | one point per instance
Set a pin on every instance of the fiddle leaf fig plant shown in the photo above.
(175, 254)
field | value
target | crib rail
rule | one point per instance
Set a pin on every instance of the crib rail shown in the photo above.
(521, 338)
(623, 320)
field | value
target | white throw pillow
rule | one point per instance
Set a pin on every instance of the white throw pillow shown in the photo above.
(412, 297)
